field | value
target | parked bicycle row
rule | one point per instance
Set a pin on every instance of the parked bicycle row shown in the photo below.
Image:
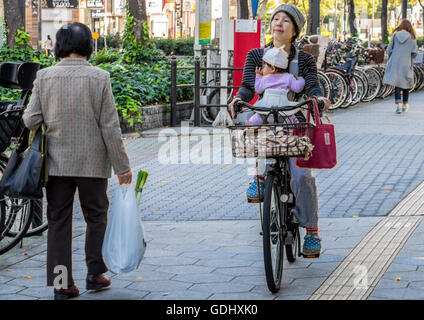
(351, 74)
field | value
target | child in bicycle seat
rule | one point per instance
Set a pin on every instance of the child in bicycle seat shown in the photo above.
(274, 74)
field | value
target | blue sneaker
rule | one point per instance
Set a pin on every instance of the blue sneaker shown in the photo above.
(311, 246)
(252, 191)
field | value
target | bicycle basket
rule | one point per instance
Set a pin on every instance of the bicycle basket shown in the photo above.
(11, 123)
(272, 141)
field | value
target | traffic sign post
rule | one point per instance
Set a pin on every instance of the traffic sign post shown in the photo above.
(95, 37)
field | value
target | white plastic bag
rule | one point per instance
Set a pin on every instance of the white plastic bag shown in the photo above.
(124, 245)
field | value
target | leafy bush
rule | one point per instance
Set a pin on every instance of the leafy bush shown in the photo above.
(112, 41)
(183, 47)
(140, 74)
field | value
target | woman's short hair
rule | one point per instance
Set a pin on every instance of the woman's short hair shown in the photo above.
(73, 38)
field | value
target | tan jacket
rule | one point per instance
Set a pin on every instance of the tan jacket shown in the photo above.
(75, 101)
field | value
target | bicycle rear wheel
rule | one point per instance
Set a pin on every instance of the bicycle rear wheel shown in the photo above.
(273, 244)
(374, 83)
(324, 84)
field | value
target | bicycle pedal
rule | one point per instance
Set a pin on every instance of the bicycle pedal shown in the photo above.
(310, 256)
(254, 200)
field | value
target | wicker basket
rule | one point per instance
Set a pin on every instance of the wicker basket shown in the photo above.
(272, 141)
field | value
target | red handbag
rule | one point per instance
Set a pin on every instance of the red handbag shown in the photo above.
(324, 154)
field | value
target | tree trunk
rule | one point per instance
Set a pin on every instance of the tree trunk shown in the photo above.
(138, 11)
(351, 17)
(309, 18)
(14, 15)
(384, 36)
(242, 9)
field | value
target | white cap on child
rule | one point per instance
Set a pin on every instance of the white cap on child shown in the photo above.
(277, 57)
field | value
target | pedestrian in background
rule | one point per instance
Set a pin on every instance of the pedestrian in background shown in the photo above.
(48, 45)
(399, 72)
(75, 101)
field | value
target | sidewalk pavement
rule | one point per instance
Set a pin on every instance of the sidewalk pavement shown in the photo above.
(203, 238)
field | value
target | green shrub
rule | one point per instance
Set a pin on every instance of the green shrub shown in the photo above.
(183, 47)
(140, 73)
(112, 41)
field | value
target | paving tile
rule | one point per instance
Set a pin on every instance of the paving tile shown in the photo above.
(240, 271)
(4, 278)
(169, 261)
(241, 296)
(10, 289)
(140, 275)
(405, 275)
(29, 282)
(293, 297)
(19, 271)
(207, 254)
(222, 287)
(224, 263)
(202, 278)
(185, 269)
(113, 294)
(160, 286)
(392, 284)
(177, 295)
(38, 292)
(15, 297)
(399, 294)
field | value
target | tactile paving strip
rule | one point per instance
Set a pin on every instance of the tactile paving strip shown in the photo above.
(358, 274)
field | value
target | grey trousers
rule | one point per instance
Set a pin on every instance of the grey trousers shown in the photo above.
(304, 187)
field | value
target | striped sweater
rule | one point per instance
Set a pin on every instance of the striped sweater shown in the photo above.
(307, 70)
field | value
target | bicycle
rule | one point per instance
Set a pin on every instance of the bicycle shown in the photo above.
(280, 228)
(19, 218)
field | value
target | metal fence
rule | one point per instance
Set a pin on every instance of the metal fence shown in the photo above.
(198, 86)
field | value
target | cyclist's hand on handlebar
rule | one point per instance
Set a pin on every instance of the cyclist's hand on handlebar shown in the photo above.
(323, 103)
(232, 107)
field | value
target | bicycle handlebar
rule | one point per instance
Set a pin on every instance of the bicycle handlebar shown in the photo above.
(239, 103)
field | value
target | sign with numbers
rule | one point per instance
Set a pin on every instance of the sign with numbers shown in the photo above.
(62, 3)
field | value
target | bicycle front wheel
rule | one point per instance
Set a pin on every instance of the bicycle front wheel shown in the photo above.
(15, 218)
(273, 244)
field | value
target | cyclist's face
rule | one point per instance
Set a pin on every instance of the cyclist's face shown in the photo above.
(282, 28)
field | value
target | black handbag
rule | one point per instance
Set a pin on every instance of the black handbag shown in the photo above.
(25, 172)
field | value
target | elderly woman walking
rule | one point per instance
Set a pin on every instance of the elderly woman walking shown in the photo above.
(75, 102)
(399, 72)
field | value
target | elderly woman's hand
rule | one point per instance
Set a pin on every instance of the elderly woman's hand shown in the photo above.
(125, 178)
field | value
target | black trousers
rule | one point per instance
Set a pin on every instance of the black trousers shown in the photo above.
(60, 202)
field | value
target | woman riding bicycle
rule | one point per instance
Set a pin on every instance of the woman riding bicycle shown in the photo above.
(286, 23)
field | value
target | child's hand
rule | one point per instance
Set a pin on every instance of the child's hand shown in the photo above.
(258, 71)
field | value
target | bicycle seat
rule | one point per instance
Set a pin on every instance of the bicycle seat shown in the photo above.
(276, 98)
(17, 75)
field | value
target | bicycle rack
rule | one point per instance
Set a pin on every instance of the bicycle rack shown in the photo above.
(197, 85)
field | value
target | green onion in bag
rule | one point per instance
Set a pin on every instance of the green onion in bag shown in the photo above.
(141, 181)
